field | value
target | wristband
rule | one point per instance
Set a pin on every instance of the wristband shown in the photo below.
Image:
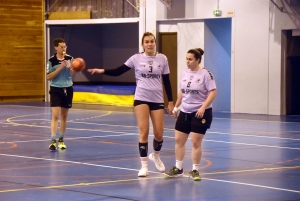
(175, 110)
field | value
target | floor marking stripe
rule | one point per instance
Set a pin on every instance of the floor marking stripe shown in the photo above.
(258, 136)
(79, 184)
(167, 129)
(254, 185)
(263, 121)
(257, 145)
(74, 138)
(93, 110)
(129, 134)
(251, 170)
(72, 162)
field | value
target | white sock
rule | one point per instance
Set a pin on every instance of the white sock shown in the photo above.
(196, 167)
(144, 161)
(178, 164)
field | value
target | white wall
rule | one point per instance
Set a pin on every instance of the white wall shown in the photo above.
(278, 21)
(250, 48)
(190, 35)
(256, 50)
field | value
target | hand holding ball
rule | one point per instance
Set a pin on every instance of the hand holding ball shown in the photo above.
(78, 64)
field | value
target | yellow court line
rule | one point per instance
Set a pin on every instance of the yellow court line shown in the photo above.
(237, 119)
(251, 170)
(80, 184)
(72, 109)
(9, 119)
(128, 180)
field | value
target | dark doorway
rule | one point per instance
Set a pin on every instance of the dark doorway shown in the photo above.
(168, 46)
(293, 86)
(292, 74)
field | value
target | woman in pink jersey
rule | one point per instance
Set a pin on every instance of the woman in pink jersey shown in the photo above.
(151, 68)
(197, 92)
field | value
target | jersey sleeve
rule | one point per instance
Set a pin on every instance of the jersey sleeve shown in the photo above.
(49, 67)
(166, 68)
(210, 83)
(130, 62)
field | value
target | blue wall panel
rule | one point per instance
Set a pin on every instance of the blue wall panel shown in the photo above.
(217, 56)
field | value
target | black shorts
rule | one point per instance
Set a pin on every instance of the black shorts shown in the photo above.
(187, 122)
(61, 97)
(152, 106)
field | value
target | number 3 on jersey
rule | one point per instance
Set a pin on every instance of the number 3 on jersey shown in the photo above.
(151, 68)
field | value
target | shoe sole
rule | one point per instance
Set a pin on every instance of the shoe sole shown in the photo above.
(168, 176)
(197, 179)
(143, 175)
(52, 148)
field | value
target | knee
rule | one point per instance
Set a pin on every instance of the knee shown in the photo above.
(144, 136)
(196, 145)
(144, 131)
(158, 138)
(63, 116)
(179, 142)
(55, 117)
(158, 134)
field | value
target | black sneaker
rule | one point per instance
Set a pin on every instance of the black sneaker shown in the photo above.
(174, 172)
(195, 175)
(52, 146)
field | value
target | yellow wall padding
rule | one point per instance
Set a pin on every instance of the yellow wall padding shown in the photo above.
(107, 99)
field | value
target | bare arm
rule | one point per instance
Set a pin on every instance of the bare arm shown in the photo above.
(96, 70)
(211, 96)
(177, 104)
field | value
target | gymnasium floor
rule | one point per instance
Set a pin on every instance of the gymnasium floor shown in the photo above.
(245, 157)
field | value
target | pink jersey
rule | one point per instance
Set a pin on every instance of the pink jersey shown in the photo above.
(148, 75)
(195, 87)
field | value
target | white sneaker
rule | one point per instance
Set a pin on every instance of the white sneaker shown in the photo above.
(158, 163)
(143, 171)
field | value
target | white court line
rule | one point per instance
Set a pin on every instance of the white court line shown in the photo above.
(254, 185)
(74, 162)
(74, 138)
(169, 129)
(255, 120)
(97, 130)
(73, 122)
(137, 134)
(93, 130)
(78, 129)
(72, 109)
(136, 126)
(95, 110)
(120, 168)
(258, 136)
(257, 145)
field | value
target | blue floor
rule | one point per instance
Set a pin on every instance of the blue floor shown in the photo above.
(245, 157)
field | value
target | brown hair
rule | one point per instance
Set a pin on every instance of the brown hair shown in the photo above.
(147, 34)
(58, 40)
(197, 52)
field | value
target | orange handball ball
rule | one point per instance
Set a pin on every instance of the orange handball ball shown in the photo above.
(78, 64)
